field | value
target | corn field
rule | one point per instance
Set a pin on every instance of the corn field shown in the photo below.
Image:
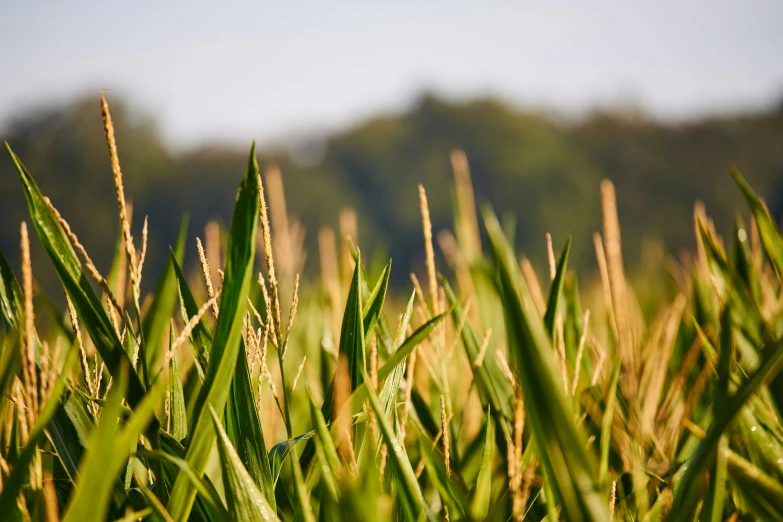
(488, 393)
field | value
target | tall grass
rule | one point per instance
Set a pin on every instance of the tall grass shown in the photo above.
(237, 394)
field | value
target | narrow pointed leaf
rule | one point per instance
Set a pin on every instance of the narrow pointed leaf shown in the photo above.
(200, 337)
(493, 386)
(768, 369)
(14, 482)
(570, 469)
(228, 334)
(352, 331)
(482, 494)
(409, 486)
(245, 501)
(108, 450)
(279, 453)
(76, 284)
(244, 429)
(556, 291)
(179, 419)
(374, 306)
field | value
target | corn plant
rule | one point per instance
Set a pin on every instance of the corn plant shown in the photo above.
(233, 393)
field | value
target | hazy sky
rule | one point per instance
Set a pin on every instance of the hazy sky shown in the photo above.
(230, 70)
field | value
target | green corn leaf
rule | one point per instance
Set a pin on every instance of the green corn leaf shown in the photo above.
(359, 396)
(391, 384)
(208, 505)
(158, 511)
(303, 508)
(718, 475)
(743, 258)
(492, 384)
(769, 367)
(200, 337)
(205, 490)
(482, 492)
(76, 284)
(245, 501)
(322, 431)
(155, 321)
(768, 231)
(228, 334)
(65, 440)
(243, 427)
(451, 489)
(15, 481)
(384, 335)
(410, 343)
(10, 361)
(570, 468)
(606, 426)
(360, 494)
(729, 281)
(108, 450)
(11, 307)
(556, 291)
(756, 486)
(413, 499)
(179, 419)
(374, 306)
(280, 451)
(352, 330)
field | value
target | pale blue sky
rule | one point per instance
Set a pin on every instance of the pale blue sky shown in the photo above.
(241, 70)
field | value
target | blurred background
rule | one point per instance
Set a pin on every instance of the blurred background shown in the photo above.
(357, 103)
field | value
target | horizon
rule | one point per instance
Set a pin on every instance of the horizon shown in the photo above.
(315, 70)
(289, 140)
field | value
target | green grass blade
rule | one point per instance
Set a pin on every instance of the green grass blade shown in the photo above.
(359, 396)
(303, 509)
(769, 367)
(606, 427)
(10, 296)
(352, 330)
(65, 441)
(556, 291)
(374, 306)
(482, 492)
(280, 451)
(766, 491)
(155, 321)
(768, 231)
(200, 337)
(10, 317)
(179, 419)
(391, 384)
(717, 493)
(322, 431)
(244, 430)
(205, 490)
(228, 334)
(407, 483)
(492, 384)
(108, 449)
(571, 470)
(410, 343)
(245, 501)
(452, 490)
(15, 481)
(76, 284)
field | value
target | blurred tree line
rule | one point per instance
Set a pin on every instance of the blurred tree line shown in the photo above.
(540, 169)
